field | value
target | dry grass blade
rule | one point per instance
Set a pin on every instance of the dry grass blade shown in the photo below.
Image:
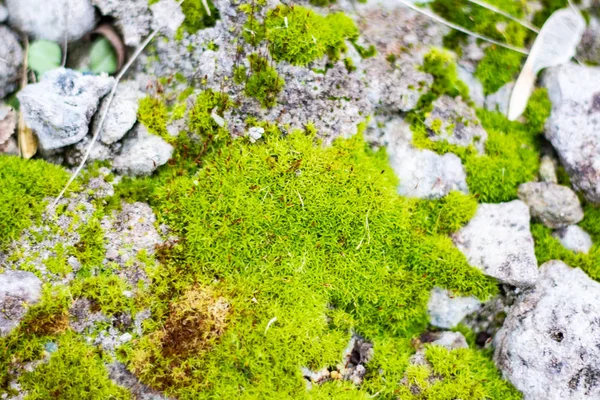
(461, 29)
(490, 7)
(25, 136)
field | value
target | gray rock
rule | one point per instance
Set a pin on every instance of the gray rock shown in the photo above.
(12, 55)
(60, 107)
(142, 153)
(554, 205)
(450, 340)
(574, 124)
(119, 373)
(548, 346)
(18, 289)
(454, 121)
(133, 18)
(589, 47)
(52, 20)
(422, 173)
(498, 242)
(574, 238)
(499, 101)
(475, 86)
(3, 13)
(8, 122)
(548, 170)
(167, 15)
(10, 147)
(122, 113)
(447, 310)
(73, 155)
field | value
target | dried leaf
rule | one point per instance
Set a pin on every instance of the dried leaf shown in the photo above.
(556, 44)
(28, 144)
(218, 119)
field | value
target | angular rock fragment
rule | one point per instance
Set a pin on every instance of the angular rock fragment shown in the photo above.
(59, 108)
(554, 205)
(447, 310)
(18, 289)
(423, 173)
(12, 55)
(574, 124)
(454, 121)
(52, 20)
(574, 238)
(142, 153)
(122, 113)
(498, 242)
(548, 346)
(548, 170)
(8, 122)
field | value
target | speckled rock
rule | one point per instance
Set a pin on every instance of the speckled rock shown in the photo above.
(454, 121)
(548, 346)
(142, 153)
(574, 238)
(475, 86)
(60, 107)
(18, 289)
(122, 114)
(447, 310)
(589, 47)
(52, 20)
(548, 169)
(554, 205)
(12, 53)
(133, 18)
(574, 124)
(422, 173)
(498, 242)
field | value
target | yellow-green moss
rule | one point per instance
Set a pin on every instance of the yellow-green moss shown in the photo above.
(153, 114)
(106, 291)
(24, 186)
(262, 83)
(196, 17)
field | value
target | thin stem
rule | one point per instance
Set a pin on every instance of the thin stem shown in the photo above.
(490, 7)
(461, 29)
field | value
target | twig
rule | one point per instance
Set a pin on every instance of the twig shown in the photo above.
(138, 51)
(271, 322)
(490, 7)
(206, 7)
(461, 29)
(66, 41)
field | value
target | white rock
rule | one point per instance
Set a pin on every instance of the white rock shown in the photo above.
(12, 56)
(574, 238)
(447, 310)
(17, 290)
(548, 346)
(52, 20)
(59, 108)
(422, 173)
(556, 206)
(498, 242)
(451, 340)
(574, 124)
(499, 101)
(3, 13)
(122, 114)
(255, 133)
(133, 18)
(475, 86)
(167, 15)
(142, 153)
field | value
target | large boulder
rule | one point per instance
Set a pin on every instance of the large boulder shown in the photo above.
(574, 124)
(498, 242)
(59, 108)
(54, 20)
(548, 347)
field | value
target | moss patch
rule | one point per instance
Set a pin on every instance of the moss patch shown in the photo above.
(196, 17)
(262, 82)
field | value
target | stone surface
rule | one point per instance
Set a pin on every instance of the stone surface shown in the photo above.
(447, 310)
(574, 124)
(574, 238)
(122, 113)
(18, 289)
(133, 18)
(59, 108)
(498, 242)
(12, 53)
(3, 13)
(454, 121)
(8, 122)
(422, 173)
(475, 86)
(450, 340)
(589, 47)
(548, 170)
(499, 101)
(548, 346)
(142, 153)
(167, 15)
(52, 20)
(554, 205)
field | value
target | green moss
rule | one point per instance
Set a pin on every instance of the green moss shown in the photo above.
(74, 371)
(90, 248)
(299, 35)
(498, 67)
(263, 82)
(57, 263)
(153, 114)
(106, 291)
(25, 186)
(316, 237)
(442, 65)
(196, 17)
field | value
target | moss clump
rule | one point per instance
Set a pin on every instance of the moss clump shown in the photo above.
(106, 291)
(153, 114)
(499, 65)
(298, 35)
(24, 186)
(313, 239)
(196, 17)
(263, 82)
(90, 248)
(74, 371)
(442, 65)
